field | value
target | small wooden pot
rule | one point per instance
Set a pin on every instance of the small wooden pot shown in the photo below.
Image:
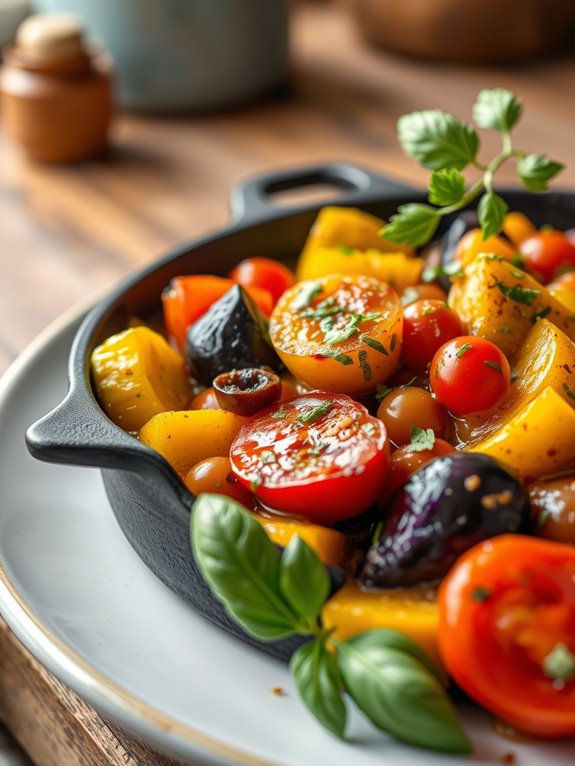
(470, 31)
(56, 93)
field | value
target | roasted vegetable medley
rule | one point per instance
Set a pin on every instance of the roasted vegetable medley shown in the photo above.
(410, 415)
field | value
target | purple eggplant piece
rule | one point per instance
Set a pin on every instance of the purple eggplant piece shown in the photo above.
(446, 507)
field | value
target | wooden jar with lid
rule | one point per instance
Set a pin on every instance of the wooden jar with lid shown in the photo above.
(56, 90)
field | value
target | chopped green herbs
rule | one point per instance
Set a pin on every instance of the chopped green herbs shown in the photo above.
(369, 429)
(383, 391)
(559, 664)
(431, 273)
(306, 293)
(480, 593)
(255, 483)
(421, 439)
(463, 350)
(279, 415)
(524, 295)
(504, 329)
(569, 391)
(316, 412)
(494, 365)
(364, 365)
(338, 335)
(345, 249)
(341, 358)
(540, 314)
(375, 344)
(393, 342)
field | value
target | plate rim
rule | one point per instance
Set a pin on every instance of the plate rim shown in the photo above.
(132, 713)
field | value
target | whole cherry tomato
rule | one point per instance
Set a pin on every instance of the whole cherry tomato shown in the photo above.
(507, 631)
(469, 374)
(214, 474)
(205, 400)
(547, 253)
(321, 456)
(270, 275)
(406, 460)
(410, 406)
(427, 325)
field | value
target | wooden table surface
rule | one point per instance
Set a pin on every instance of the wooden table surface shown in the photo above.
(68, 231)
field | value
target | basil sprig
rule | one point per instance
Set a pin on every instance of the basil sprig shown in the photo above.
(446, 146)
(272, 595)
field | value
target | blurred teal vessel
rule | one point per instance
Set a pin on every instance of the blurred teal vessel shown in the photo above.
(181, 55)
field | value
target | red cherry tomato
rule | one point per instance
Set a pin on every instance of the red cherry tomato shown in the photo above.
(507, 631)
(187, 298)
(547, 253)
(265, 273)
(427, 325)
(469, 374)
(205, 400)
(321, 456)
(405, 461)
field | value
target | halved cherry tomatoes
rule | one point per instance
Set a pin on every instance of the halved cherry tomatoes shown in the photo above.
(406, 461)
(469, 374)
(270, 275)
(186, 299)
(320, 456)
(547, 253)
(427, 325)
(339, 333)
(507, 631)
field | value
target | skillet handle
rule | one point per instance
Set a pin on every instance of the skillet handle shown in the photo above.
(252, 199)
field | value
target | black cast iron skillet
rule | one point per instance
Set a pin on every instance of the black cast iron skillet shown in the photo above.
(149, 500)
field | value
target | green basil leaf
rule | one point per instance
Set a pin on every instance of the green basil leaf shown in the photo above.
(304, 582)
(536, 170)
(497, 108)
(446, 186)
(421, 439)
(399, 693)
(437, 140)
(414, 224)
(241, 565)
(491, 212)
(315, 673)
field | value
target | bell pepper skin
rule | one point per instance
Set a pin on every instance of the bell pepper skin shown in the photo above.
(329, 544)
(412, 611)
(136, 375)
(186, 437)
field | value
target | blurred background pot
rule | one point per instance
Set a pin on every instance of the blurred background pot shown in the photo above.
(176, 55)
(471, 31)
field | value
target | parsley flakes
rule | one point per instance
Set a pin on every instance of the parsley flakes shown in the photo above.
(316, 412)
(524, 295)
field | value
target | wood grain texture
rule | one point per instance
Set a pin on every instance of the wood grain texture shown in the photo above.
(67, 231)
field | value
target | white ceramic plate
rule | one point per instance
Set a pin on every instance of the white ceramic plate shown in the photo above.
(83, 603)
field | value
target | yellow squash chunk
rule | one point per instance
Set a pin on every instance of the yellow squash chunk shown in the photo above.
(498, 301)
(350, 227)
(412, 611)
(397, 269)
(547, 358)
(329, 544)
(137, 374)
(472, 244)
(566, 298)
(539, 440)
(186, 437)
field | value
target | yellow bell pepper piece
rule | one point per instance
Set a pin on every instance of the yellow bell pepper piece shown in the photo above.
(472, 244)
(539, 440)
(186, 437)
(397, 269)
(137, 374)
(547, 358)
(412, 611)
(329, 544)
(350, 227)
(565, 297)
(498, 301)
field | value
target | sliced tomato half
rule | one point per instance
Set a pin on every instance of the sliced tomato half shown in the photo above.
(320, 456)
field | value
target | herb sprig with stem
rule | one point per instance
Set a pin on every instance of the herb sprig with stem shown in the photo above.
(274, 595)
(446, 146)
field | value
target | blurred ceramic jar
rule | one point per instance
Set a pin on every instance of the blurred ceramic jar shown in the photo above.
(474, 31)
(181, 55)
